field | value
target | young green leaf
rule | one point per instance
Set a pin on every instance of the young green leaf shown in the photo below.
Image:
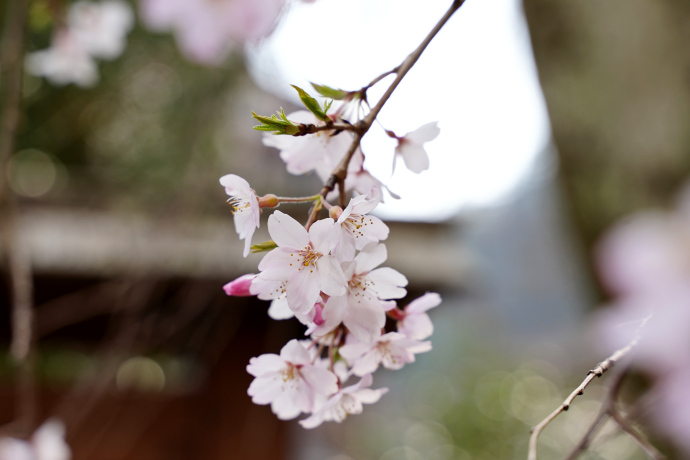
(332, 93)
(311, 104)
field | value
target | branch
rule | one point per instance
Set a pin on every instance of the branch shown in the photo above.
(598, 371)
(362, 127)
(18, 263)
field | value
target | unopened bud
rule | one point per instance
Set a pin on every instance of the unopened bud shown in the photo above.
(318, 314)
(268, 201)
(240, 286)
(335, 212)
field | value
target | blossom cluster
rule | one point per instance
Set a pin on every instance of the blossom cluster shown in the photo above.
(91, 31)
(328, 275)
(645, 262)
(46, 443)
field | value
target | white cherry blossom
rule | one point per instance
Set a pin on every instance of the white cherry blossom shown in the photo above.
(414, 322)
(289, 382)
(64, 62)
(357, 228)
(411, 147)
(207, 30)
(302, 260)
(101, 27)
(345, 402)
(360, 309)
(245, 207)
(319, 152)
(47, 443)
(393, 350)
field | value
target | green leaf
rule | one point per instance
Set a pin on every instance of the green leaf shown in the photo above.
(262, 247)
(332, 93)
(276, 125)
(311, 104)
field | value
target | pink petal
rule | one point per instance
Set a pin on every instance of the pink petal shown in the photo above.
(370, 257)
(265, 364)
(287, 232)
(415, 157)
(275, 266)
(423, 303)
(364, 319)
(294, 352)
(424, 133)
(303, 290)
(324, 235)
(417, 327)
(320, 380)
(235, 186)
(331, 277)
(387, 283)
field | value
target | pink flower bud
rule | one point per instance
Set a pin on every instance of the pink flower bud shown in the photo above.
(240, 286)
(318, 314)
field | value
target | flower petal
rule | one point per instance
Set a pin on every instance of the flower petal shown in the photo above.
(286, 231)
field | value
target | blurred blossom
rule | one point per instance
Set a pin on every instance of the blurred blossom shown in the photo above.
(47, 443)
(207, 30)
(102, 27)
(64, 62)
(646, 262)
(93, 30)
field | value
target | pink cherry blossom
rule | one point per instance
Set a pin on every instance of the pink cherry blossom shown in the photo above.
(393, 350)
(289, 382)
(101, 27)
(206, 30)
(92, 30)
(345, 402)
(357, 228)
(47, 443)
(360, 309)
(245, 207)
(414, 322)
(411, 147)
(240, 287)
(319, 152)
(65, 62)
(302, 260)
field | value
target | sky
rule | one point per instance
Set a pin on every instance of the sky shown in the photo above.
(477, 78)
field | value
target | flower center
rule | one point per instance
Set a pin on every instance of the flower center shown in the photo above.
(307, 257)
(356, 224)
(239, 206)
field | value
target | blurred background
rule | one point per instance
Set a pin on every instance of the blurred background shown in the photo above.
(557, 118)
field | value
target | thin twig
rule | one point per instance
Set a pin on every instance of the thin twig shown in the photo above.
(648, 449)
(362, 127)
(598, 371)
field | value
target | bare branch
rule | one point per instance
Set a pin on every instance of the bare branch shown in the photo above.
(598, 371)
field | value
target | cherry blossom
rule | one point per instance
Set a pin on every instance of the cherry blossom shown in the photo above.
(92, 30)
(207, 30)
(319, 152)
(357, 228)
(393, 350)
(289, 382)
(302, 259)
(240, 287)
(102, 27)
(64, 62)
(411, 147)
(245, 208)
(360, 309)
(413, 320)
(47, 443)
(345, 402)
